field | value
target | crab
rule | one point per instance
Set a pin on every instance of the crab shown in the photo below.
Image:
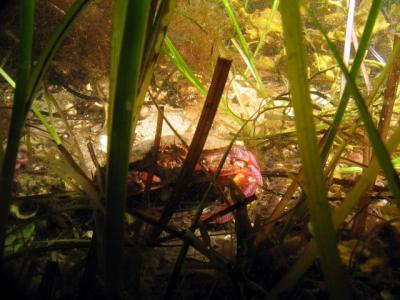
(240, 166)
(22, 160)
(137, 181)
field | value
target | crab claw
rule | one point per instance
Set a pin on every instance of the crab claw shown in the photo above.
(22, 160)
(249, 179)
(137, 181)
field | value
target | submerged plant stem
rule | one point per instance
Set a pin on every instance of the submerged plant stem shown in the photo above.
(314, 185)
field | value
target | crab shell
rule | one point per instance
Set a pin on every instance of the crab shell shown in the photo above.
(241, 165)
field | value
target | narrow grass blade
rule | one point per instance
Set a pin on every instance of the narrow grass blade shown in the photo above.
(27, 9)
(373, 134)
(305, 261)
(180, 63)
(314, 183)
(261, 43)
(363, 46)
(245, 49)
(159, 20)
(183, 67)
(364, 183)
(128, 42)
(50, 129)
(7, 77)
(328, 139)
(154, 42)
(27, 83)
(351, 7)
(51, 48)
(310, 251)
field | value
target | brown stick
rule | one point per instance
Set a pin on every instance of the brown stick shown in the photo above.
(154, 155)
(389, 96)
(203, 127)
(385, 117)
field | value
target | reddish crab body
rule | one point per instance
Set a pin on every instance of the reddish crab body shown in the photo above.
(240, 166)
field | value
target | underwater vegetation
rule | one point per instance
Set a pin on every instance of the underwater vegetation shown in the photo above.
(199, 149)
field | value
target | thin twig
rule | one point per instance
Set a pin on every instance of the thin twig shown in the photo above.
(153, 159)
